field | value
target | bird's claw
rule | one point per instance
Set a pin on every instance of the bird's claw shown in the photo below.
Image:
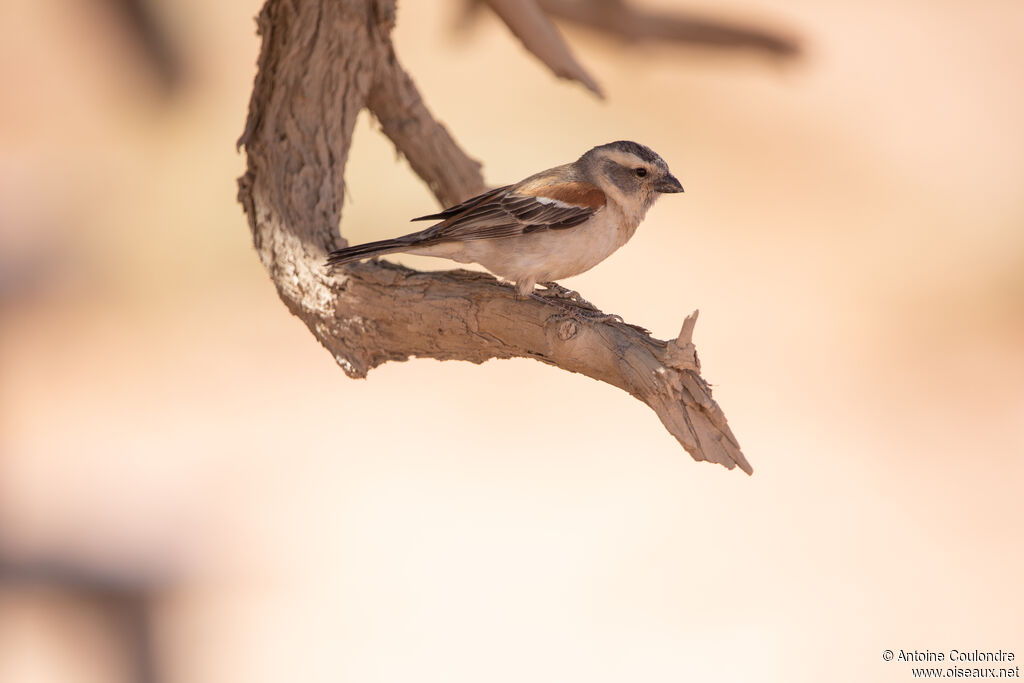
(557, 291)
(602, 317)
(577, 308)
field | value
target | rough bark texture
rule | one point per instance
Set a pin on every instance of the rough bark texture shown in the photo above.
(321, 62)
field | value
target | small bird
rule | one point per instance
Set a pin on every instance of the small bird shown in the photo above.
(552, 225)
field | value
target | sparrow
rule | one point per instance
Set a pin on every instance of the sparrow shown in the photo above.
(555, 224)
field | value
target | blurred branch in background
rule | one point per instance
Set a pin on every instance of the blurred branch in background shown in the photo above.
(125, 601)
(138, 20)
(297, 140)
(528, 21)
(619, 19)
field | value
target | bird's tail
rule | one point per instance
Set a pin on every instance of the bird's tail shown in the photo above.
(368, 250)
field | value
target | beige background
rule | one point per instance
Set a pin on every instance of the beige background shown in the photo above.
(851, 231)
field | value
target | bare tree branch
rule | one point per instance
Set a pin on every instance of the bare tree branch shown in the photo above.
(529, 23)
(126, 598)
(620, 19)
(528, 20)
(321, 62)
(433, 154)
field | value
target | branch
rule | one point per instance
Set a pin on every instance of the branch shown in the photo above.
(319, 65)
(462, 315)
(528, 20)
(622, 20)
(429, 148)
(125, 598)
(529, 23)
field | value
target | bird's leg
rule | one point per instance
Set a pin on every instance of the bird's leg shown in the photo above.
(524, 289)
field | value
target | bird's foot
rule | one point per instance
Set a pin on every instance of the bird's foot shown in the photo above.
(557, 291)
(577, 309)
(598, 317)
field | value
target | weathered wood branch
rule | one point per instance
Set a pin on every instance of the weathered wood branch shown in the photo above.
(321, 62)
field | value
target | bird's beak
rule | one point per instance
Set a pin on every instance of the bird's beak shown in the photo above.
(668, 184)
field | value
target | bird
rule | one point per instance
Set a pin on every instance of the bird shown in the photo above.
(552, 225)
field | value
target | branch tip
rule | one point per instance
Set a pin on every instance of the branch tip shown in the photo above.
(686, 332)
(541, 37)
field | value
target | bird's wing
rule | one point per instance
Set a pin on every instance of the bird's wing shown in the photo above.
(462, 206)
(521, 209)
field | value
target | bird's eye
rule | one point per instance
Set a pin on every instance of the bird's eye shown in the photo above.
(640, 172)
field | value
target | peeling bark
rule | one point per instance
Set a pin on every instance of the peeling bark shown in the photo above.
(322, 62)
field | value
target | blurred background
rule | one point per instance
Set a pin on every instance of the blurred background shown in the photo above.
(191, 490)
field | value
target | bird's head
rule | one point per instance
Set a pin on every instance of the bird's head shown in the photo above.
(630, 172)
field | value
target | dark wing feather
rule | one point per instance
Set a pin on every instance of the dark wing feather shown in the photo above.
(462, 206)
(506, 215)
